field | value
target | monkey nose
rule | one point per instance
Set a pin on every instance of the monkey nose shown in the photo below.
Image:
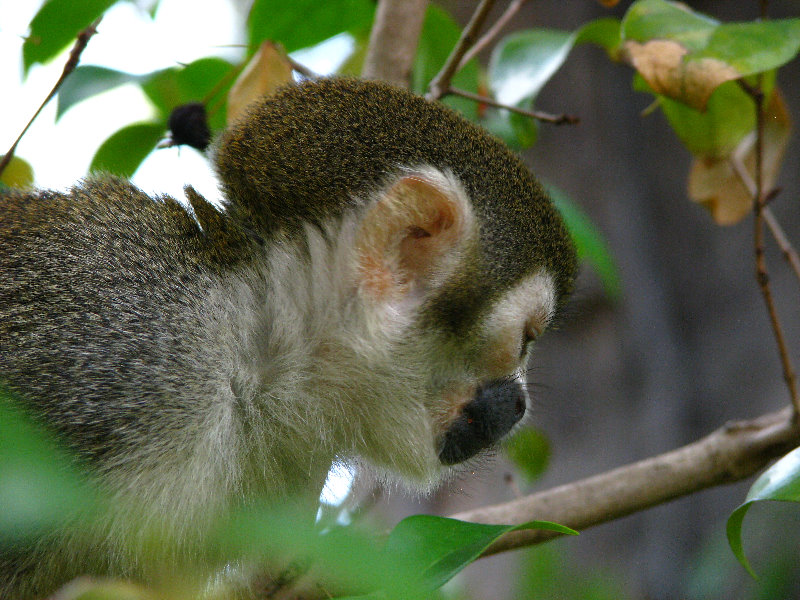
(492, 413)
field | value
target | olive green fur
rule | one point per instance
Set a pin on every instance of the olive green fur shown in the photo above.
(302, 155)
(105, 296)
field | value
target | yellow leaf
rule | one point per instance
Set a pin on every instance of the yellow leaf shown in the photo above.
(662, 64)
(268, 70)
(725, 186)
(17, 174)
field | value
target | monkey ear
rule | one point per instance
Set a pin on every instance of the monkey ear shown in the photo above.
(411, 235)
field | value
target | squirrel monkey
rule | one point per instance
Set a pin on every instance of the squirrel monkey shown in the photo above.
(368, 295)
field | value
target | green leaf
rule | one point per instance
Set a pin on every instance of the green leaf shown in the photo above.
(686, 56)
(58, 23)
(754, 47)
(517, 131)
(658, 19)
(346, 556)
(588, 241)
(124, 151)
(307, 22)
(439, 34)
(715, 132)
(87, 81)
(40, 488)
(781, 482)
(601, 32)
(438, 547)
(751, 47)
(17, 174)
(194, 82)
(529, 450)
(524, 61)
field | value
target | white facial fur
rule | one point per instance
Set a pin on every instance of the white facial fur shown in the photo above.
(521, 314)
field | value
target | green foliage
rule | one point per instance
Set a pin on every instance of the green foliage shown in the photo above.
(656, 19)
(438, 548)
(56, 25)
(549, 572)
(601, 32)
(781, 482)
(529, 450)
(40, 487)
(686, 56)
(715, 574)
(748, 48)
(588, 242)
(88, 81)
(519, 67)
(124, 151)
(420, 555)
(439, 34)
(715, 132)
(205, 79)
(523, 62)
(305, 22)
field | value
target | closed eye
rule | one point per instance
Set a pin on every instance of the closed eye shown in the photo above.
(530, 335)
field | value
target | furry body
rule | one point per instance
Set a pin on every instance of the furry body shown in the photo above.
(191, 367)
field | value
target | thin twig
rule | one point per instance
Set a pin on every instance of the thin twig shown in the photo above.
(491, 33)
(762, 276)
(787, 250)
(441, 82)
(534, 114)
(72, 62)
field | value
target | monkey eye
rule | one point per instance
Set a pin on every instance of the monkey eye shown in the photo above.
(531, 333)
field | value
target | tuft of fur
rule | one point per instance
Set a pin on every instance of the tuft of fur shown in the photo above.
(193, 362)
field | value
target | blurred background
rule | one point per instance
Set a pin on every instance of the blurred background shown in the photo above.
(685, 348)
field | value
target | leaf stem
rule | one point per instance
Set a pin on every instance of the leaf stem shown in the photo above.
(72, 62)
(534, 114)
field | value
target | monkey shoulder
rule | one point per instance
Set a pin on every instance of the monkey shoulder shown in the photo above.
(107, 224)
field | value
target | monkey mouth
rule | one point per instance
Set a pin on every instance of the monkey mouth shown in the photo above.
(492, 413)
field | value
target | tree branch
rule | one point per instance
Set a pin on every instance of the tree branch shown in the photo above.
(393, 41)
(733, 452)
(72, 62)
(488, 37)
(533, 114)
(441, 82)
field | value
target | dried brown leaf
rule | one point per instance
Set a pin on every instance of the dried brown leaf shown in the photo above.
(662, 64)
(268, 70)
(725, 185)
